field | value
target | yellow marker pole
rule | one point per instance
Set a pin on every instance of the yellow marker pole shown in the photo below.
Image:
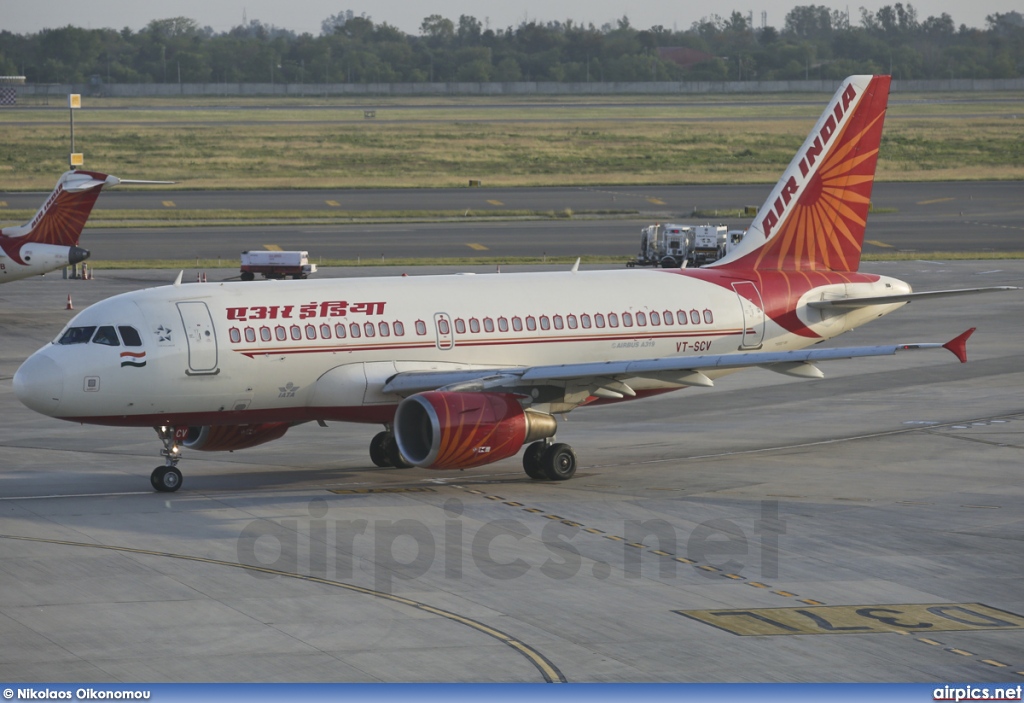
(74, 103)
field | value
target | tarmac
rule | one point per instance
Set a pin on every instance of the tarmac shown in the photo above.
(865, 527)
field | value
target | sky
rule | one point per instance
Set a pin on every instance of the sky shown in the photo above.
(29, 16)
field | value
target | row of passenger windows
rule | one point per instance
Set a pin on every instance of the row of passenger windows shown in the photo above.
(105, 335)
(355, 330)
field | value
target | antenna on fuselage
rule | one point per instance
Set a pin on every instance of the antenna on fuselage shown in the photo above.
(177, 281)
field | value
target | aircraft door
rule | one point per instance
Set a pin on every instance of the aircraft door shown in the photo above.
(753, 314)
(201, 337)
(445, 333)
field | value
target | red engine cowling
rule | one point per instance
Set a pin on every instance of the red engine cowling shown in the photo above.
(442, 430)
(228, 438)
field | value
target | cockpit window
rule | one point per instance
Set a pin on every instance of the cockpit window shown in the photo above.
(106, 335)
(130, 336)
(76, 335)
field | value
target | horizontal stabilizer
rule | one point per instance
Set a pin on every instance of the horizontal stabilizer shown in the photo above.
(902, 298)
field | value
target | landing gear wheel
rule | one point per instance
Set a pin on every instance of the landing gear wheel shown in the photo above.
(166, 479)
(393, 455)
(559, 462)
(378, 453)
(533, 459)
(247, 275)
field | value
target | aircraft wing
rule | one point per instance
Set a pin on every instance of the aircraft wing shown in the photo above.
(606, 378)
(904, 298)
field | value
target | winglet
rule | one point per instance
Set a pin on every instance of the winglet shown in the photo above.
(958, 345)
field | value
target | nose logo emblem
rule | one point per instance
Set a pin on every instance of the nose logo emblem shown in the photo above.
(163, 334)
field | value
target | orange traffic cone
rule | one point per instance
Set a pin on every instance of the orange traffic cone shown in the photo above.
(70, 306)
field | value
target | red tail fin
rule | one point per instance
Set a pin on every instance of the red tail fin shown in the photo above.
(814, 219)
(61, 218)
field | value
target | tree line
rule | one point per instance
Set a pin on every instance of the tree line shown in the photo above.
(815, 42)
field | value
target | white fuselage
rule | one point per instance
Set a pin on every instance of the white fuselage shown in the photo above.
(293, 351)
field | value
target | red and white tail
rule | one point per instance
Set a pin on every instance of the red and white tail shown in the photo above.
(61, 218)
(814, 219)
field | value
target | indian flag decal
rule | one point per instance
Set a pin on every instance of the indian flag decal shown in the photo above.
(136, 359)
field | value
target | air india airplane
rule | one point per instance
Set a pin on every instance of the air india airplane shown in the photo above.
(49, 240)
(465, 370)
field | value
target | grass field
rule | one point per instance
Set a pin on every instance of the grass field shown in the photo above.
(316, 143)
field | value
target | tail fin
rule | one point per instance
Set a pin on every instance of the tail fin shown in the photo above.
(814, 219)
(61, 218)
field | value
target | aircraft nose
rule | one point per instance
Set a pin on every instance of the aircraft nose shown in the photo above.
(77, 255)
(39, 384)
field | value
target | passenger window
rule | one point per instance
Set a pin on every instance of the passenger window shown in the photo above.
(655, 318)
(502, 324)
(234, 335)
(599, 320)
(384, 329)
(627, 319)
(399, 329)
(130, 336)
(708, 317)
(585, 321)
(531, 323)
(281, 333)
(339, 330)
(641, 319)
(443, 327)
(460, 326)
(557, 320)
(310, 332)
(421, 327)
(106, 335)
(353, 330)
(488, 324)
(571, 321)
(545, 323)
(368, 329)
(295, 332)
(668, 317)
(613, 320)
(250, 334)
(517, 324)
(325, 331)
(265, 334)
(695, 317)
(681, 317)
(474, 325)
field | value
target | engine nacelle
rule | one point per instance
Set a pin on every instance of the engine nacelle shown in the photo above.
(228, 438)
(442, 430)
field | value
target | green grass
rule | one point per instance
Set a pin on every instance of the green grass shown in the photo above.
(647, 140)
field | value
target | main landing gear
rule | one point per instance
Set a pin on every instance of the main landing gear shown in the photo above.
(167, 478)
(554, 461)
(384, 451)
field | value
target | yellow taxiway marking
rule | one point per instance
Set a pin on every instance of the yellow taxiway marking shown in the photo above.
(333, 203)
(272, 247)
(367, 491)
(860, 619)
(878, 243)
(993, 662)
(3, 203)
(547, 669)
(495, 202)
(169, 203)
(477, 247)
(656, 201)
(936, 200)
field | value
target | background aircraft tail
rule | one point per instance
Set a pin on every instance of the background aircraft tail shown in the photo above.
(814, 219)
(61, 218)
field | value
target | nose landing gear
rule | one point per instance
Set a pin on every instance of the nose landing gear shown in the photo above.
(167, 478)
